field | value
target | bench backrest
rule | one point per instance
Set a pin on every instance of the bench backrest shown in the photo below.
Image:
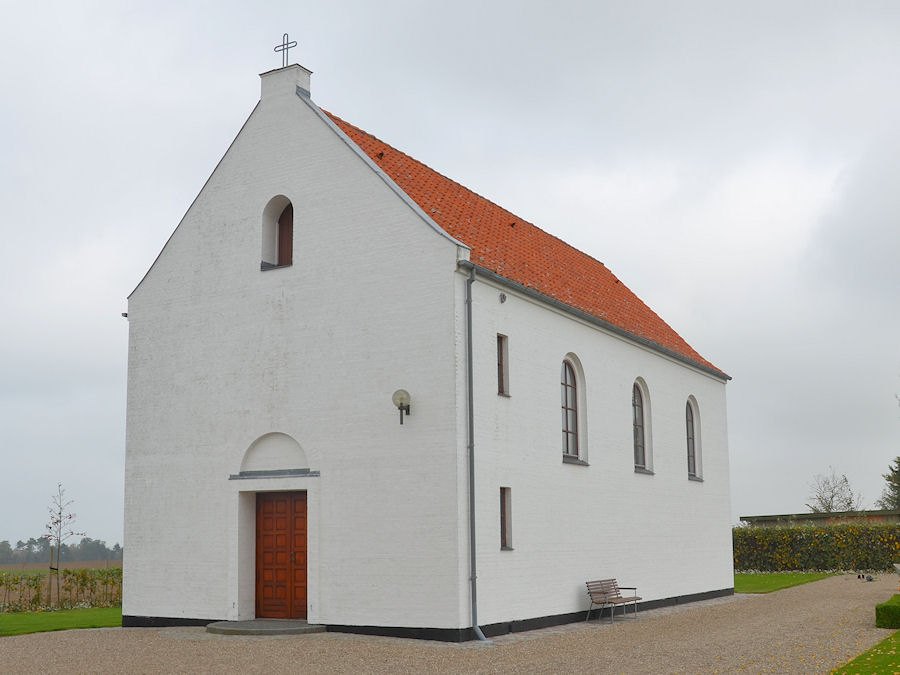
(603, 588)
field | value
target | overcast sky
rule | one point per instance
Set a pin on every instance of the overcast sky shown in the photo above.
(736, 164)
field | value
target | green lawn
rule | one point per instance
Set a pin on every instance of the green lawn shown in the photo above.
(773, 581)
(19, 623)
(882, 658)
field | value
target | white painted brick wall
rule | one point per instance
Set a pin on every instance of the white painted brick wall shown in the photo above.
(663, 533)
(222, 353)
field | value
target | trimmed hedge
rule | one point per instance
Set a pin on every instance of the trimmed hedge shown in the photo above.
(833, 547)
(887, 614)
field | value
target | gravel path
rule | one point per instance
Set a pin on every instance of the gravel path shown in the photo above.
(807, 629)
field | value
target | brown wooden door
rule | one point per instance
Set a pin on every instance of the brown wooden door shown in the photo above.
(281, 555)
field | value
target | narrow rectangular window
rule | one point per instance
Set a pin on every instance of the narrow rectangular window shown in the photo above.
(505, 520)
(502, 365)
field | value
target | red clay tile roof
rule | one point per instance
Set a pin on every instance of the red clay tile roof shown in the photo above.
(517, 250)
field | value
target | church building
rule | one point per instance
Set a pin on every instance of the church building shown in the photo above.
(363, 395)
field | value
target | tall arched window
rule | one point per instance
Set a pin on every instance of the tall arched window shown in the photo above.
(277, 234)
(637, 409)
(689, 425)
(569, 393)
(692, 439)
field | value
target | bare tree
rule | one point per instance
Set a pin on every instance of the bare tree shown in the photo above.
(59, 530)
(831, 492)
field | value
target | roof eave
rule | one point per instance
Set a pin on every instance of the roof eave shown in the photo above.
(590, 318)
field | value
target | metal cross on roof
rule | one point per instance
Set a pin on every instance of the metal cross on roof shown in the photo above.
(284, 47)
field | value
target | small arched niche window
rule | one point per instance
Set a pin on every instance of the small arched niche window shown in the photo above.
(640, 422)
(277, 233)
(569, 395)
(692, 438)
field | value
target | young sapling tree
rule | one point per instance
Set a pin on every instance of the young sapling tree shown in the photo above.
(59, 530)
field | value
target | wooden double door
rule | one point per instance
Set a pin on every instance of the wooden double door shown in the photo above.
(281, 555)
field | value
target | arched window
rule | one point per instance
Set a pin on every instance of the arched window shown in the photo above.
(637, 410)
(569, 394)
(692, 438)
(689, 425)
(277, 234)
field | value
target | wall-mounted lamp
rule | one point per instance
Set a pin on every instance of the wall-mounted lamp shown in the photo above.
(401, 400)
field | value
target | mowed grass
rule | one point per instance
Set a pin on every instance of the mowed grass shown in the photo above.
(774, 581)
(882, 658)
(20, 623)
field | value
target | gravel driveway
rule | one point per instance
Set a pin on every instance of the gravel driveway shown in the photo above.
(807, 629)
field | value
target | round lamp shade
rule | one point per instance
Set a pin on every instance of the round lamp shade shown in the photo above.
(401, 398)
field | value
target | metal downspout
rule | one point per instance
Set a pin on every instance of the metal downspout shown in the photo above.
(471, 442)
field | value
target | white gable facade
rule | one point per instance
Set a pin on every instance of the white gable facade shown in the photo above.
(250, 381)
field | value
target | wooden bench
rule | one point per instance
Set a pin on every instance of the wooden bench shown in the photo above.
(608, 593)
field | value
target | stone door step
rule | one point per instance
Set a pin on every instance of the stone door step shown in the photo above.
(263, 627)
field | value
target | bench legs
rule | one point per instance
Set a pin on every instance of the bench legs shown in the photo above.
(625, 607)
(612, 611)
(599, 607)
